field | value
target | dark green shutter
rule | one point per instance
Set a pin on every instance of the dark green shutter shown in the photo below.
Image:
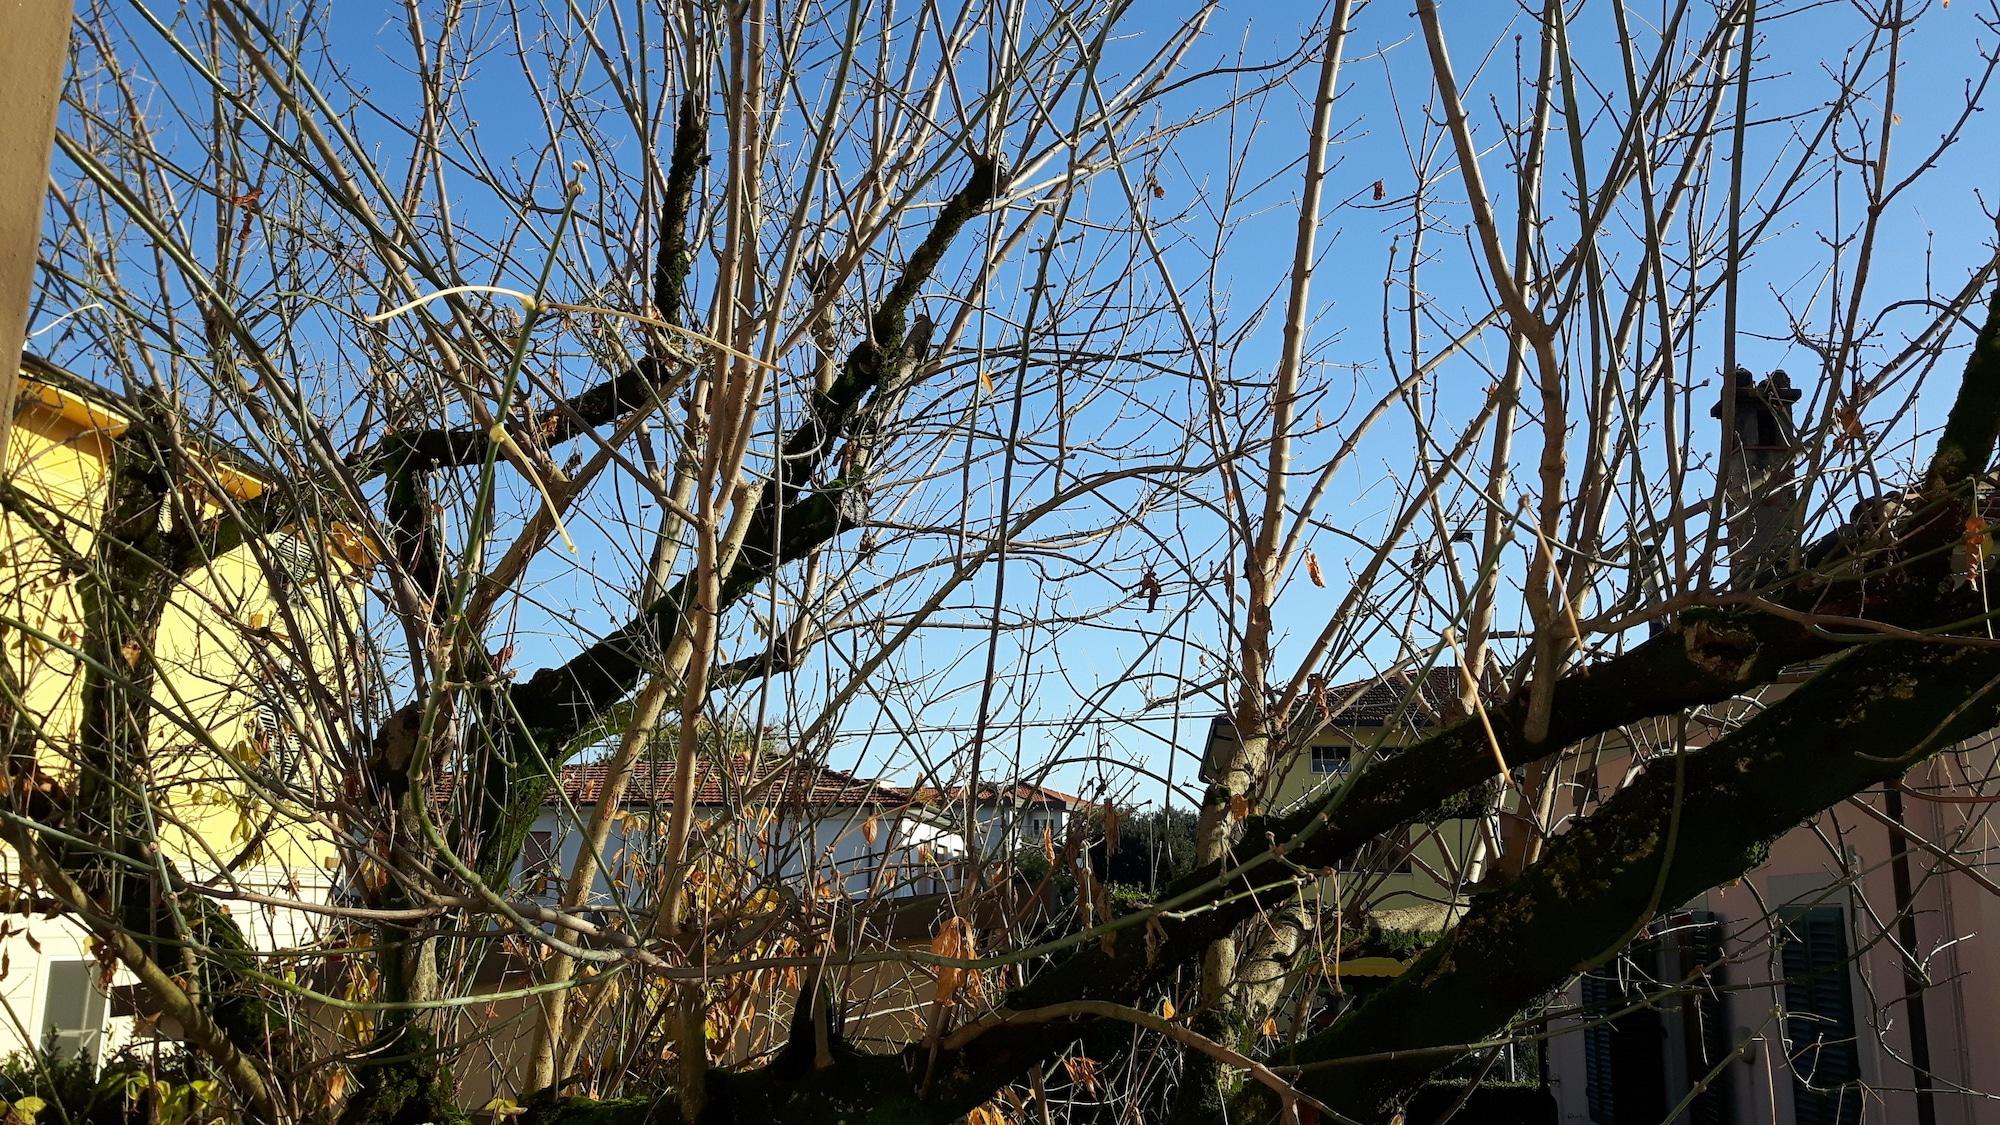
(1597, 1074)
(1625, 1059)
(1709, 1040)
(1625, 1076)
(1819, 1019)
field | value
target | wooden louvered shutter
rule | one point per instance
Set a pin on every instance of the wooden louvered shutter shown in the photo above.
(1625, 1075)
(278, 746)
(1819, 1019)
(1598, 1087)
(1707, 1035)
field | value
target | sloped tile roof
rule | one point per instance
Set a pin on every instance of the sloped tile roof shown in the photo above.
(1022, 792)
(1383, 698)
(1414, 701)
(781, 780)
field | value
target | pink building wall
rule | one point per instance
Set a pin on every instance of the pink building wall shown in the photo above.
(1845, 858)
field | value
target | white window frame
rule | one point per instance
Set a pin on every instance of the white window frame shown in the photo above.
(1340, 760)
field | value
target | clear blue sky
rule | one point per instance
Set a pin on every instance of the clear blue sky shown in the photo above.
(1072, 696)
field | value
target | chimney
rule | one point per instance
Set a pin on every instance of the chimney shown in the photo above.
(1759, 454)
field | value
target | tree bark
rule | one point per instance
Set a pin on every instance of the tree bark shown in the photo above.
(1676, 832)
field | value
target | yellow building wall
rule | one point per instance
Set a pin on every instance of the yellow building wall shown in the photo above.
(225, 646)
(1452, 846)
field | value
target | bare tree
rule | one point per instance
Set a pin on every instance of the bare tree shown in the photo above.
(757, 374)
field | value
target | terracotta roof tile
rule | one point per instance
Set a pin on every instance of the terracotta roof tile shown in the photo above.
(1022, 791)
(1382, 698)
(783, 781)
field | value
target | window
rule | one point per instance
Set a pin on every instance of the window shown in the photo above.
(295, 558)
(277, 746)
(1623, 1059)
(538, 862)
(1706, 1035)
(73, 1009)
(1642, 1062)
(1327, 760)
(1819, 1019)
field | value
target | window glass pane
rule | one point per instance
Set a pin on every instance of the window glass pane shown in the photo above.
(538, 861)
(65, 1003)
(1331, 759)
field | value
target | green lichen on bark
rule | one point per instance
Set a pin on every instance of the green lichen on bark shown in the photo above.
(1854, 725)
(1973, 424)
(406, 1085)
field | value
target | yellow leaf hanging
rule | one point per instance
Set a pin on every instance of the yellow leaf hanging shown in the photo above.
(954, 939)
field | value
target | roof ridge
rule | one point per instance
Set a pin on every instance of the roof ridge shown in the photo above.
(787, 779)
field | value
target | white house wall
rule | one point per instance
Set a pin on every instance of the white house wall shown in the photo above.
(30, 943)
(832, 843)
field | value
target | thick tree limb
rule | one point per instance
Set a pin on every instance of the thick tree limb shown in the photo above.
(197, 1021)
(634, 388)
(673, 260)
(1705, 661)
(1710, 656)
(1864, 721)
(873, 364)
(558, 703)
(788, 524)
(1973, 425)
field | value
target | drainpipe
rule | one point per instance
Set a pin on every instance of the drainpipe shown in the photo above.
(1913, 973)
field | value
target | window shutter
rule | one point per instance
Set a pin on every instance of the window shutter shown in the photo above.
(279, 745)
(1819, 1019)
(72, 1009)
(1625, 1075)
(1598, 1078)
(1685, 1023)
(299, 560)
(1708, 1037)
